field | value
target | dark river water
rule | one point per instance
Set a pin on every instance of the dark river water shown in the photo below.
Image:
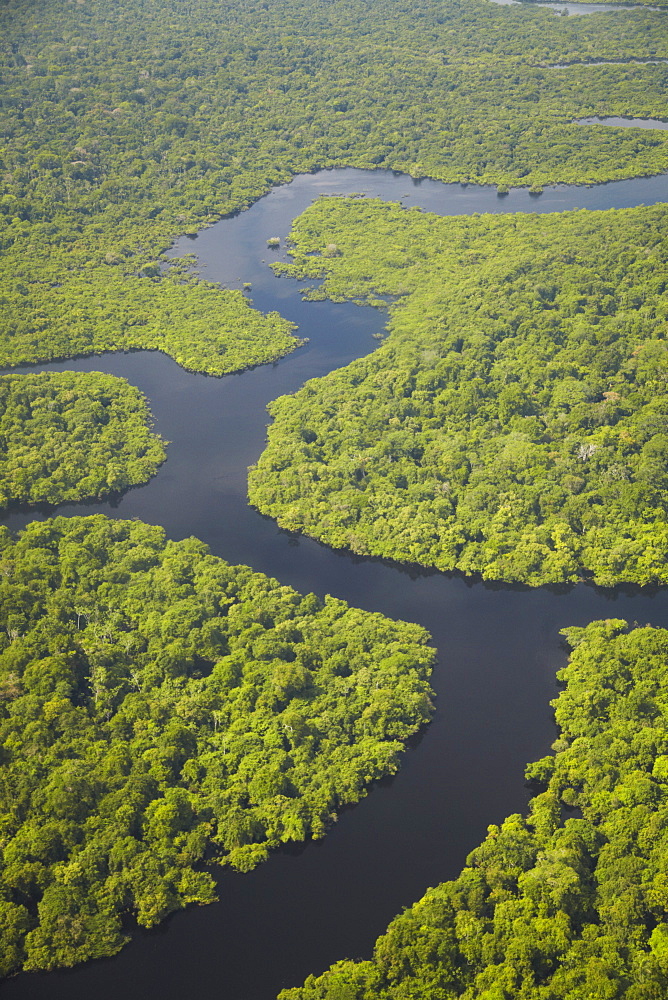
(498, 646)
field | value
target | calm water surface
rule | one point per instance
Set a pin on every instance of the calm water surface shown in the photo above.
(625, 122)
(608, 62)
(579, 9)
(499, 646)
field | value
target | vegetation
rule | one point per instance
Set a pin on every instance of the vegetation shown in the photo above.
(67, 436)
(160, 707)
(554, 906)
(124, 123)
(514, 423)
(92, 308)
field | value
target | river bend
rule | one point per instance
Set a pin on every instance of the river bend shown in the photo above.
(498, 645)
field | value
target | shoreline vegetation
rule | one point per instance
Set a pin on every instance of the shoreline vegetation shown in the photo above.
(160, 708)
(68, 436)
(568, 902)
(203, 327)
(513, 422)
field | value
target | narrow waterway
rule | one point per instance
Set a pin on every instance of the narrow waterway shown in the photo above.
(579, 9)
(617, 122)
(610, 62)
(499, 646)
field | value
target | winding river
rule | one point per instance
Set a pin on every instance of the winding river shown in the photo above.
(498, 645)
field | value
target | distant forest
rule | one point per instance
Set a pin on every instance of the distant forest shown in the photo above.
(127, 123)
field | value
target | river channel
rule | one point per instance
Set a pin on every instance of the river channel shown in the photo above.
(578, 9)
(498, 645)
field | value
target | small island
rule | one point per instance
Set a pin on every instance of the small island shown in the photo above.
(67, 436)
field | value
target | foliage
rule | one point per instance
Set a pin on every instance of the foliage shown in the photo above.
(159, 707)
(126, 122)
(96, 308)
(554, 908)
(514, 423)
(67, 436)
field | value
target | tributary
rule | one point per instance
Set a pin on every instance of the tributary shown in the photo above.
(579, 9)
(498, 646)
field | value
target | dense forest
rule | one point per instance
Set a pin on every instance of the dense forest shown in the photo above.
(126, 123)
(159, 707)
(71, 436)
(161, 710)
(571, 901)
(203, 327)
(515, 421)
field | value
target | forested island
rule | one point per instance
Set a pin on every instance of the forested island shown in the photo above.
(162, 710)
(515, 421)
(67, 436)
(203, 327)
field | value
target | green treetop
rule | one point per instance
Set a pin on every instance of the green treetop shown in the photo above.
(515, 421)
(159, 707)
(71, 436)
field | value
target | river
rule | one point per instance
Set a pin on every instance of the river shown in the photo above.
(624, 122)
(498, 645)
(579, 9)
